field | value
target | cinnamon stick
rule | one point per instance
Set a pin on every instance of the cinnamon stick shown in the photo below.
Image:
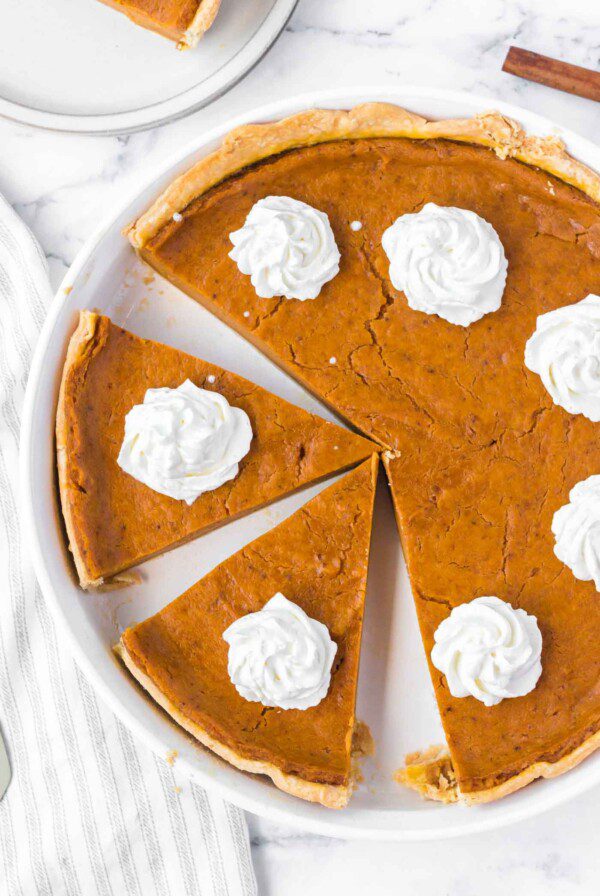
(553, 73)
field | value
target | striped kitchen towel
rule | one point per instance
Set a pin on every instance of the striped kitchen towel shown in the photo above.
(89, 810)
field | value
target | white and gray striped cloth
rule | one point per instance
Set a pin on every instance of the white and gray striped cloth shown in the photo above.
(89, 810)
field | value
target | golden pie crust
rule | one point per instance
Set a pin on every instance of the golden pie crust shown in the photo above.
(114, 522)
(251, 143)
(430, 772)
(478, 456)
(318, 558)
(184, 21)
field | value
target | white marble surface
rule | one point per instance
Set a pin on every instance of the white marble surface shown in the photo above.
(63, 184)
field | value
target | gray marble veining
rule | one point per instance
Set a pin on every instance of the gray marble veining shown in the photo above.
(62, 186)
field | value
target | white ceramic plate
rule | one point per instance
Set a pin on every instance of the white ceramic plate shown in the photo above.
(395, 695)
(77, 65)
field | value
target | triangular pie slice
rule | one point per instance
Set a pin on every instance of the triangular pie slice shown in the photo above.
(318, 559)
(480, 458)
(184, 21)
(114, 521)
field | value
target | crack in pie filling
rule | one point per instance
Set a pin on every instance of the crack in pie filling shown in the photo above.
(478, 455)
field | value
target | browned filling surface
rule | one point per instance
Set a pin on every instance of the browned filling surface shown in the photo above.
(318, 559)
(116, 521)
(484, 457)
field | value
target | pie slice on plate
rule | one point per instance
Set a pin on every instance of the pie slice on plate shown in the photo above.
(318, 559)
(113, 520)
(478, 456)
(184, 21)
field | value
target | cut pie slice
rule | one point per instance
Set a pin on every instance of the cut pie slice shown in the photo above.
(113, 520)
(479, 458)
(184, 21)
(318, 559)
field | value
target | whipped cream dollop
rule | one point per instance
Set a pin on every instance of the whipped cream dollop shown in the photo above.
(184, 442)
(287, 247)
(279, 656)
(488, 650)
(576, 529)
(447, 261)
(565, 352)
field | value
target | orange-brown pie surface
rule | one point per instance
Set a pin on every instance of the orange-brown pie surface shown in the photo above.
(114, 521)
(184, 21)
(317, 558)
(479, 458)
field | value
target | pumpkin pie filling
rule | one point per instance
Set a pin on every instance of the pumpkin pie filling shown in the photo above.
(318, 558)
(479, 458)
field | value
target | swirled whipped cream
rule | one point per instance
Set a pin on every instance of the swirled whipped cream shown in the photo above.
(488, 650)
(576, 529)
(184, 442)
(565, 352)
(287, 247)
(447, 261)
(279, 656)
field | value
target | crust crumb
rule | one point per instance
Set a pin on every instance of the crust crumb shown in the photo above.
(362, 740)
(363, 745)
(171, 757)
(430, 772)
(120, 580)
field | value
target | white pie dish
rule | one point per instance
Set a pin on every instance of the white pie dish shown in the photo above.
(395, 696)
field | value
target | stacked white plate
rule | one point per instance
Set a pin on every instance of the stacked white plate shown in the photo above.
(77, 65)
